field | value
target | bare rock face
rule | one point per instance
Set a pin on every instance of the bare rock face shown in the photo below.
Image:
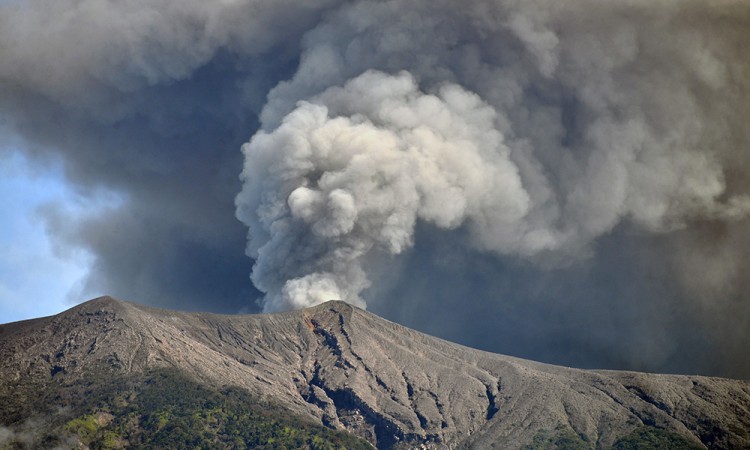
(349, 369)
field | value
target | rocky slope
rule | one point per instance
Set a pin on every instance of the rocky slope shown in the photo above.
(349, 369)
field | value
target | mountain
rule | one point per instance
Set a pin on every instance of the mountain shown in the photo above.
(103, 374)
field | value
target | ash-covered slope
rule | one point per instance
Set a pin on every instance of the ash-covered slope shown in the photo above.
(347, 368)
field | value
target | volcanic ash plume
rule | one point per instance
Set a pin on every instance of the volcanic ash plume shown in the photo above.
(349, 173)
(526, 132)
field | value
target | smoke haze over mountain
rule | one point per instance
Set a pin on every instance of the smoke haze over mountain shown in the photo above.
(564, 182)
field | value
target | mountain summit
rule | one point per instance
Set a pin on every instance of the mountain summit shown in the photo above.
(347, 369)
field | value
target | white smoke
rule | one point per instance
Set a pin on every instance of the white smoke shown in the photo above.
(528, 129)
(350, 172)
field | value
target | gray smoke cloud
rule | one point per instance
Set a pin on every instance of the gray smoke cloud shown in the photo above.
(150, 100)
(560, 181)
(350, 174)
(532, 130)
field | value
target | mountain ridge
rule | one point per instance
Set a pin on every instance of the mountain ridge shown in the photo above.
(351, 370)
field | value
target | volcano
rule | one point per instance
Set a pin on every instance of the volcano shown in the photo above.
(109, 374)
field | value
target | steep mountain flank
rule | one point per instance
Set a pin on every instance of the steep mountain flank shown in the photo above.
(348, 369)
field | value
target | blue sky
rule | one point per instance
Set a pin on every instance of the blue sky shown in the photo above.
(36, 279)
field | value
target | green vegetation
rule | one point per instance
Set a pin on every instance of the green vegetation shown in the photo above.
(168, 411)
(86, 427)
(647, 438)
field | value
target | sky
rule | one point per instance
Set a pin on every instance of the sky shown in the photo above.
(31, 268)
(561, 182)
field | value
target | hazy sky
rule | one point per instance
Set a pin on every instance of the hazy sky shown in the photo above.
(30, 267)
(562, 182)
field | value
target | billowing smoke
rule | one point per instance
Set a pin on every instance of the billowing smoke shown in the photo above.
(565, 181)
(532, 130)
(350, 173)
